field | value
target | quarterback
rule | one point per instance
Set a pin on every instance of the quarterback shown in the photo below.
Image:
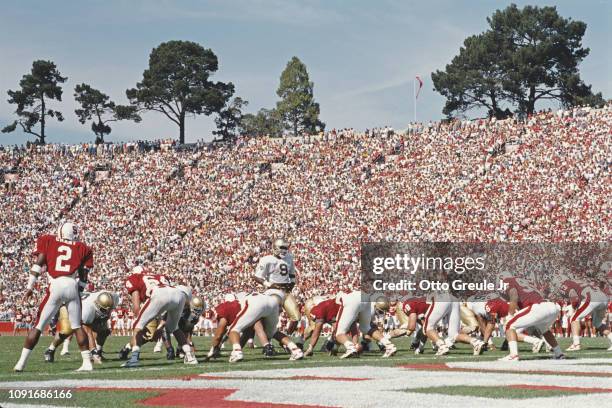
(66, 259)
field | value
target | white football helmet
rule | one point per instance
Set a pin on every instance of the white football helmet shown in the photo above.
(68, 232)
(138, 269)
(280, 247)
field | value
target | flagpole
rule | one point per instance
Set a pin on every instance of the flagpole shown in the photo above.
(414, 96)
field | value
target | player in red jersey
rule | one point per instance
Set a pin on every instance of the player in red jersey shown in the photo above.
(526, 309)
(589, 300)
(225, 314)
(324, 312)
(152, 295)
(65, 259)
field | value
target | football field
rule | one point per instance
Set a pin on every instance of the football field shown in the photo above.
(460, 379)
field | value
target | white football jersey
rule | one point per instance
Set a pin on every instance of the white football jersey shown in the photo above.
(276, 270)
(89, 312)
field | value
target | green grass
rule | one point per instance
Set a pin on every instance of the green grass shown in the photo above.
(155, 365)
(491, 392)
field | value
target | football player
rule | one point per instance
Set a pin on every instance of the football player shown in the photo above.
(66, 259)
(320, 313)
(97, 308)
(588, 301)
(152, 295)
(438, 309)
(353, 309)
(526, 309)
(190, 316)
(265, 308)
(277, 267)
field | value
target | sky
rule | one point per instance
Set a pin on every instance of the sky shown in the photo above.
(361, 55)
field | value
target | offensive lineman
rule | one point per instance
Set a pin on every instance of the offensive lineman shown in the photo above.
(151, 296)
(66, 258)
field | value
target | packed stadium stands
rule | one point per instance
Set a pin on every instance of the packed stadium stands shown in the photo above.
(204, 215)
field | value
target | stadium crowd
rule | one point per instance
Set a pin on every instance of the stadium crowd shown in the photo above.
(205, 215)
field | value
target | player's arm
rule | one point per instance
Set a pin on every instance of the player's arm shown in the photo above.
(135, 302)
(216, 340)
(90, 336)
(35, 270)
(412, 321)
(316, 333)
(513, 299)
(490, 325)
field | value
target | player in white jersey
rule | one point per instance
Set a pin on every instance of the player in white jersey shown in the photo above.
(279, 268)
(95, 311)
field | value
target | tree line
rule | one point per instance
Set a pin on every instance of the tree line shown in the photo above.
(525, 56)
(177, 84)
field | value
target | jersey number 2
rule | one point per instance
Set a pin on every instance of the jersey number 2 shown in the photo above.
(65, 253)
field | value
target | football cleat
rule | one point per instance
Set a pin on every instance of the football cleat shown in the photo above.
(559, 357)
(420, 349)
(96, 357)
(504, 346)
(158, 347)
(478, 347)
(268, 350)
(236, 356)
(351, 352)
(509, 357)
(610, 348)
(85, 367)
(49, 355)
(389, 351)
(296, 354)
(443, 350)
(64, 352)
(124, 353)
(170, 353)
(537, 346)
(190, 359)
(133, 361)
(574, 347)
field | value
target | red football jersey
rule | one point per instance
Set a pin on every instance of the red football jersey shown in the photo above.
(497, 306)
(63, 258)
(527, 294)
(145, 284)
(326, 311)
(228, 311)
(416, 305)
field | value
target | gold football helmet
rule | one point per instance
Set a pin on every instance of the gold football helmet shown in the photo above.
(381, 304)
(197, 305)
(104, 303)
(280, 247)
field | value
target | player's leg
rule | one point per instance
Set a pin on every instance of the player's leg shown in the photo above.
(253, 310)
(175, 308)
(48, 307)
(454, 328)
(292, 309)
(347, 315)
(436, 312)
(148, 311)
(73, 306)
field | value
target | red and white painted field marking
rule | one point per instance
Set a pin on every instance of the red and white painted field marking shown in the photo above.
(366, 386)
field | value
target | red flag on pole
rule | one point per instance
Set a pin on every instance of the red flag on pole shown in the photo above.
(418, 78)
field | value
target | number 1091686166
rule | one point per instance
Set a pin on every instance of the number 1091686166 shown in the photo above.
(45, 393)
